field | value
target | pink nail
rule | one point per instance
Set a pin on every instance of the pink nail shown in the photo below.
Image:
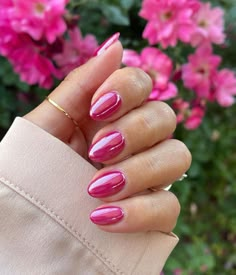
(107, 184)
(106, 44)
(105, 106)
(107, 215)
(107, 147)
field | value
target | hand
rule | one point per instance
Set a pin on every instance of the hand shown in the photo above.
(126, 134)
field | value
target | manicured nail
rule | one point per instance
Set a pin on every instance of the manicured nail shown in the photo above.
(106, 44)
(105, 106)
(107, 215)
(107, 184)
(107, 147)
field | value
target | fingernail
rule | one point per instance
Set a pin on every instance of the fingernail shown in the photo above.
(105, 106)
(107, 215)
(107, 147)
(107, 184)
(106, 44)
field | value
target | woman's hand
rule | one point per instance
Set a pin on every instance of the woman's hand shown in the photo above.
(129, 136)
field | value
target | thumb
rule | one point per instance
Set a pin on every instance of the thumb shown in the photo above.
(75, 92)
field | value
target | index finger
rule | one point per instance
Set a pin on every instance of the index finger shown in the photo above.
(74, 94)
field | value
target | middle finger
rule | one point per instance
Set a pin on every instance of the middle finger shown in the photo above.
(138, 130)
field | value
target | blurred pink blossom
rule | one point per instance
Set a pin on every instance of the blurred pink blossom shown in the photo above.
(76, 51)
(224, 87)
(31, 35)
(27, 58)
(178, 271)
(159, 67)
(31, 65)
(198, 72)
(39, 18)
(209, 25)
(182, 109)
(195, 118)
(8, 40)
(189, 113)
(169, 20)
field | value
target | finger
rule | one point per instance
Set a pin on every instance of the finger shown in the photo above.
(154, 211)
(159, 166)
(77, 141)
(136, 131)
(115, 98)
(74, 94)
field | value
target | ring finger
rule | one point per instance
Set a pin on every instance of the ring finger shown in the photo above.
(159, 166)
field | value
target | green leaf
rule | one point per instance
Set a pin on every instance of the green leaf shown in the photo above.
(127, 4)
(24, 87)
(115, 15)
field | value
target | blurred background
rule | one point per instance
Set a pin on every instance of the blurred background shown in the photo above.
(207, 224)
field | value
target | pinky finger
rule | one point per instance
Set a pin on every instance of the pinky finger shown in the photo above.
(153, 211)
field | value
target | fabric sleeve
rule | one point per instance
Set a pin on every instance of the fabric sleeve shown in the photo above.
(44, 214)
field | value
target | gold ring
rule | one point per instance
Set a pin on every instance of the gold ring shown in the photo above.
(62, 110)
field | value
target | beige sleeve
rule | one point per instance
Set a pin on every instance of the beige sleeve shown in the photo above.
(44, 214)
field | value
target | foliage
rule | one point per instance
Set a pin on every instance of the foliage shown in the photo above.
(207, 225)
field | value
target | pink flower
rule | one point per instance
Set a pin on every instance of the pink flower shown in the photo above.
(224, 83)
(38, 70)
(39, 18)
(177, 271)
(8, 40)
(29, 62)
(198, 73)
(182, 109)
(159, 67)
(5, 6)
(31, 65)
(169, 92)
(195, 118)
(6, 33)
(190, 113)
(23, 22)
(76, 51)
(168, 20)
(209, 25)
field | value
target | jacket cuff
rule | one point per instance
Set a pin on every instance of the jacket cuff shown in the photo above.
(53, 177)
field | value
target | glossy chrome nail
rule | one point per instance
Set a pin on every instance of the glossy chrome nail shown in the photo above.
(106, 44)
(107, 215)
(105, 106)
(107, 184)
(107, 147)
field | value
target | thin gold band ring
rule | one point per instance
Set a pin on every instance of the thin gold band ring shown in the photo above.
(62, 110)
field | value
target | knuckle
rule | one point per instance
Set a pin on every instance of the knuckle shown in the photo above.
(144, 120)
(167, 208)
(183, 152)
(150, 164)
(145, 81)
(72, 74)
(174, 210)
(168, 113)
(140, 80)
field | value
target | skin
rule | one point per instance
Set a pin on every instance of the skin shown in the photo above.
(149, 157)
